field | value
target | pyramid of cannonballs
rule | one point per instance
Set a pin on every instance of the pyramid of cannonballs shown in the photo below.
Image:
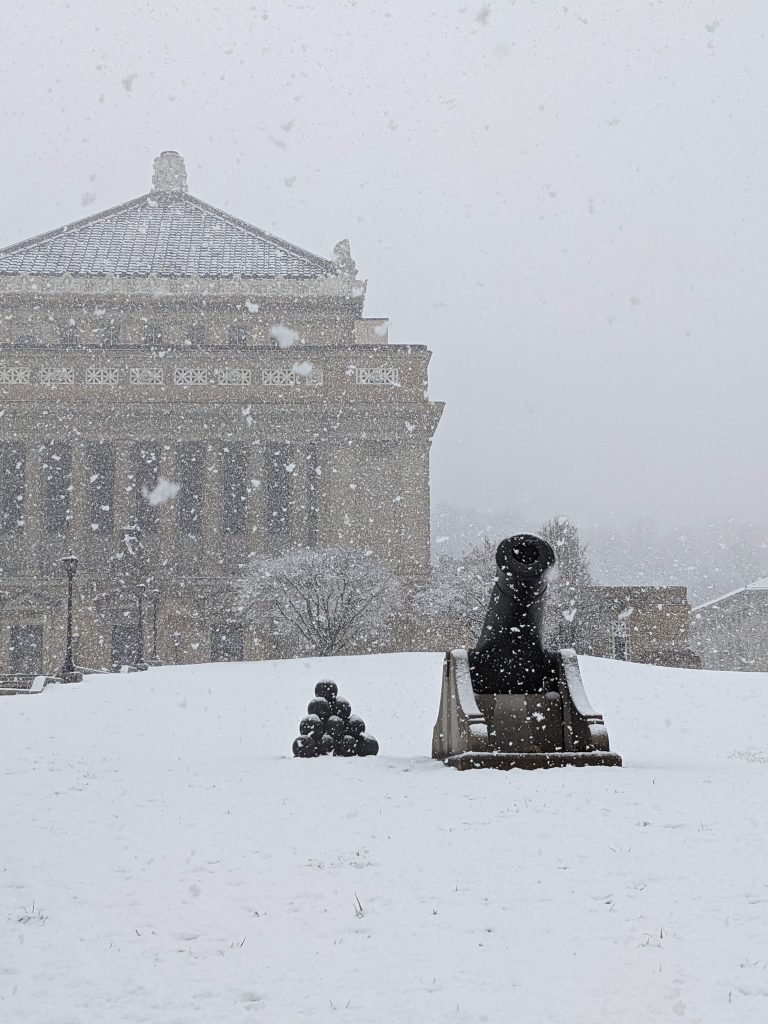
(331, 728)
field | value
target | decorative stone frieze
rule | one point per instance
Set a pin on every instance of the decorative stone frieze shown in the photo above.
(278, 378)
(388, 376)
(234, 377)
(147, 375)
(102, 375)
(15, 374)
(188, 375)
(57, 375)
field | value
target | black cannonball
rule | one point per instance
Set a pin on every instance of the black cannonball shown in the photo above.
(326, 688)
(326, 744)
(320, 707)
(347, 746)
(309, 725)
(335, 727)
(367, 746)
(343, 708)
(305, 746)
(355, 725)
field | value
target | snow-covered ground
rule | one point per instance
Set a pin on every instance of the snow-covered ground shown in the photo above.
(164, 859)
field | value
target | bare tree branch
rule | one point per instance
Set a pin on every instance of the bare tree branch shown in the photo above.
(322, 602)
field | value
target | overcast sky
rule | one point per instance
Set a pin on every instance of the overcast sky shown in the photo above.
(566, 203)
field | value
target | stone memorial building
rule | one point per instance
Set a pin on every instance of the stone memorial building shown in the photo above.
(180, 390)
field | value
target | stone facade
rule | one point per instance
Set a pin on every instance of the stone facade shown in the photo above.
(179, 391)
(644, 624)
(731, 632)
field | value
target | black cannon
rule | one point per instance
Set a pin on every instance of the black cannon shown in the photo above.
(509, 656)
(508, 702)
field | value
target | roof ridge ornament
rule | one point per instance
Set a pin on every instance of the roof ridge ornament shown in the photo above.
(342, 257)
(169, 173)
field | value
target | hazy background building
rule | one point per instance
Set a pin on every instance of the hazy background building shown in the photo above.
(731, 631)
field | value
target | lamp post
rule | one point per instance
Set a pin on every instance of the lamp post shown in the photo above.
(155, 595)
(140, 663)
(69, 672)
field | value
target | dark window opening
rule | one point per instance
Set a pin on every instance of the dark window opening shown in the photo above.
(621, 647)
(12, 479)
(191, 491)
(57, 486)
(125, 644)
(238, 336)
(313, 506)
(146, 462)
(194, 335)
(26, 650)
(153, 334)
(69, 332)
(227, 642)
(101, 461)
(278, 504)
(110, 333)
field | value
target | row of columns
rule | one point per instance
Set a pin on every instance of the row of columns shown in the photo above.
(37, 542)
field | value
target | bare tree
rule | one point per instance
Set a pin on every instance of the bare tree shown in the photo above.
(322, 602)
(453, 604)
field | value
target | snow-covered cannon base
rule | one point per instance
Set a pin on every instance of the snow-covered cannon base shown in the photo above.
(543, 730)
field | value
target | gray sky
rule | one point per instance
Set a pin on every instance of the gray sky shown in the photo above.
(566, 203)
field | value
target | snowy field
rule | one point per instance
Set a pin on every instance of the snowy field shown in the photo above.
(163, 859)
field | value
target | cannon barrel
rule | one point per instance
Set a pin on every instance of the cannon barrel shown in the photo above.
(509, 656)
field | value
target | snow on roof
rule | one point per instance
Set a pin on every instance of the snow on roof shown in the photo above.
(168, 233)
(761, 584)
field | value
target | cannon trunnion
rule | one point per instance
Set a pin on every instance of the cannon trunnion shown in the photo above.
(508, 702)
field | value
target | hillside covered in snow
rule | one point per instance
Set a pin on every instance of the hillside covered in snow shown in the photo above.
(165, 860)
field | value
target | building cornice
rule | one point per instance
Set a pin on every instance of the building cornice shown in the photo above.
(154, 287)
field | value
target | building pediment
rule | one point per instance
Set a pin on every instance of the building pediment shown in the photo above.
(170, 234)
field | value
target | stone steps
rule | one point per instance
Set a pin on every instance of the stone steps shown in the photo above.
(12, 685)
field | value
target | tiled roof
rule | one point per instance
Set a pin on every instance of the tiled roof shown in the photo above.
(168, 233)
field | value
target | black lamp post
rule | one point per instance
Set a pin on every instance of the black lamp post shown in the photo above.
(69, 672)
(155, 595)
(140, 663)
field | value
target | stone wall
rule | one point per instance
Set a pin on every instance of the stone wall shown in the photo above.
(333, 435)
(644, 624)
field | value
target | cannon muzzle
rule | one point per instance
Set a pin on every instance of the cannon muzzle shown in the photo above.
(509, 656)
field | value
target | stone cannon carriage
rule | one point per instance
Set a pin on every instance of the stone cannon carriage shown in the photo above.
(508, 702)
